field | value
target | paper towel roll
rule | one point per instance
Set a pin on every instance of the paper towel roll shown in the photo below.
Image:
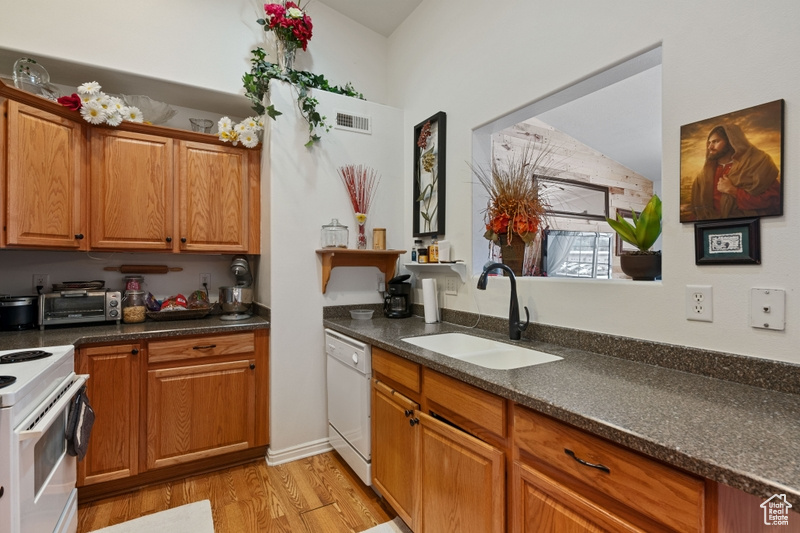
(430, 301)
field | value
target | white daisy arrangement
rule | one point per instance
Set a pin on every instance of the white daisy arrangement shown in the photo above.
(96, 107)
(247, 131)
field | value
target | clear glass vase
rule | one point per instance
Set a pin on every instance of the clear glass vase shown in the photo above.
(285, 52)
(361, 239)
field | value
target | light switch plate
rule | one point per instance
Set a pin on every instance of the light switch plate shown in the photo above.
(768, 308)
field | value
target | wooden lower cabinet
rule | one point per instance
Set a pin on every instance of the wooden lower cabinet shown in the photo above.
(543, 506)
(113, 389)
(457, 458)
(563, 472)
(199, 411)
(167, 408)
(462, 481)
(394, 450)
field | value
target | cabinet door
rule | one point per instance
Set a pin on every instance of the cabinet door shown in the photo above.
(541, 505)
(213, 190)
(132, 191)
(463, 481)
(113, 389)
(199, 411)
(394, 450)
(45, 168)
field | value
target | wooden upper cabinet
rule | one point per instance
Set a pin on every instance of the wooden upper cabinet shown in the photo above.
(132, 204)
(214, 198)
(45, 155)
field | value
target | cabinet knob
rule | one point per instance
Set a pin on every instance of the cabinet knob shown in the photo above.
(168, 239)
(413, 421)
(408, 412)
(252, 366)
(79, 236)
(2, 490)
(135, 352)
(183, 239)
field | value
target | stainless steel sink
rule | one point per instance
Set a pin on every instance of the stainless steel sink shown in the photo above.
(482, 352)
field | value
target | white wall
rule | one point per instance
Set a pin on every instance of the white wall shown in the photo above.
(477, 62)
(18, 266)
(304, 193)
(203, 43)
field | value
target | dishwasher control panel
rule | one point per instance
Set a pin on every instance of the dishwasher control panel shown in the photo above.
(351, 352)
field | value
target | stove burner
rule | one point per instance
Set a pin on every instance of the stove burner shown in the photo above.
(5, 381)
(21, 357)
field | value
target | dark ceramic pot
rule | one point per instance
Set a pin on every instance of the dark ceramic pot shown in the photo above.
(642, 267)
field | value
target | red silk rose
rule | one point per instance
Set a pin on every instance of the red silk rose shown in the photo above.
(72, 102)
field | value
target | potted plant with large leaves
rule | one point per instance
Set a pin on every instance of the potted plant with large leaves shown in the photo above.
(644, 263)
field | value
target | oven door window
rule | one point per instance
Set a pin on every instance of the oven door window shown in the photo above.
(74, 307)
(48, 451)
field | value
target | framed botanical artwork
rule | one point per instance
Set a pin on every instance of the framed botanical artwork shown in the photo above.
(727, 243)
(429, 175)
(731, 165)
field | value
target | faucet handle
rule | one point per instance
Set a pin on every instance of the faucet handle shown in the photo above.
(522, 326)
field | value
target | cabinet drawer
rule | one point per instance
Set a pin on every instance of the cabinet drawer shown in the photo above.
(655, 490)
(479, 410)
(401, 371)
(206, 346)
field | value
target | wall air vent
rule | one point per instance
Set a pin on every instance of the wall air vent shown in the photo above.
(351, 122)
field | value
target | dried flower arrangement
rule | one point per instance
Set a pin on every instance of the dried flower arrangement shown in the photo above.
(361, 183)
(515, 206)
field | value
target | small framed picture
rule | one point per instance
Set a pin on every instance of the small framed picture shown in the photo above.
(732, 242)
(621, 247)
(430, 145)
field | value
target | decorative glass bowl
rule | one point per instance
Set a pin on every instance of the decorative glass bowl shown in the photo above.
(152, 111)
(32, 77)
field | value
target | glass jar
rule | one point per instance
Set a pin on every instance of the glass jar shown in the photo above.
(334, 235)
(133, 307)
(422, 255)
(133, 283)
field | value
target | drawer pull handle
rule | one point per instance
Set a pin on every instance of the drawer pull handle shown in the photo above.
(413, 421)
(206, 347)
(586, 463)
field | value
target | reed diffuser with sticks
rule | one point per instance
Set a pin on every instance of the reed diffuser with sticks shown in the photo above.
(361, 183)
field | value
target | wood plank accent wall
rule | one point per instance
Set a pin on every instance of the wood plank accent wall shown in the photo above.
(573, 160)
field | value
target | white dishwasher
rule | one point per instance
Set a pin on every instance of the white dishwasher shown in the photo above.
(349, 372)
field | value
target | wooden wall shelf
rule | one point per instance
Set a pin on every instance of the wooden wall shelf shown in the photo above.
(385, 260)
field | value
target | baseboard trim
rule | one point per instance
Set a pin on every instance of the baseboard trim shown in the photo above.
(301, 451)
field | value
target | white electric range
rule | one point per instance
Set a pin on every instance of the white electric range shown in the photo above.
(37, 475)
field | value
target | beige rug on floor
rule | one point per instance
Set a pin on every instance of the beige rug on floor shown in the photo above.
(190, 518)
(395, 526)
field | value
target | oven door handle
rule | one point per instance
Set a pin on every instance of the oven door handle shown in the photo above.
(35, 425)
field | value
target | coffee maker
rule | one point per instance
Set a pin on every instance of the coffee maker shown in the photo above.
(397, 302)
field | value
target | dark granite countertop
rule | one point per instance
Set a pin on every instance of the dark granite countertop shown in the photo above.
(57, 336)
(743, 436)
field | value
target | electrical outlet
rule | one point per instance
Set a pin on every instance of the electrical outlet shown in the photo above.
(699, 303)
(41, 280)
(381, 282)
(451, 285)
(205, 280)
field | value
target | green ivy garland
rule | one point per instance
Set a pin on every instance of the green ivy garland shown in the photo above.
(256, 84)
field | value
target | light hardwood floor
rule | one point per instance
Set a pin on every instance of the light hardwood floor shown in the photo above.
(319, 494)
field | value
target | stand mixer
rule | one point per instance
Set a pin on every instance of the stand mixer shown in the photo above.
(237, 301)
